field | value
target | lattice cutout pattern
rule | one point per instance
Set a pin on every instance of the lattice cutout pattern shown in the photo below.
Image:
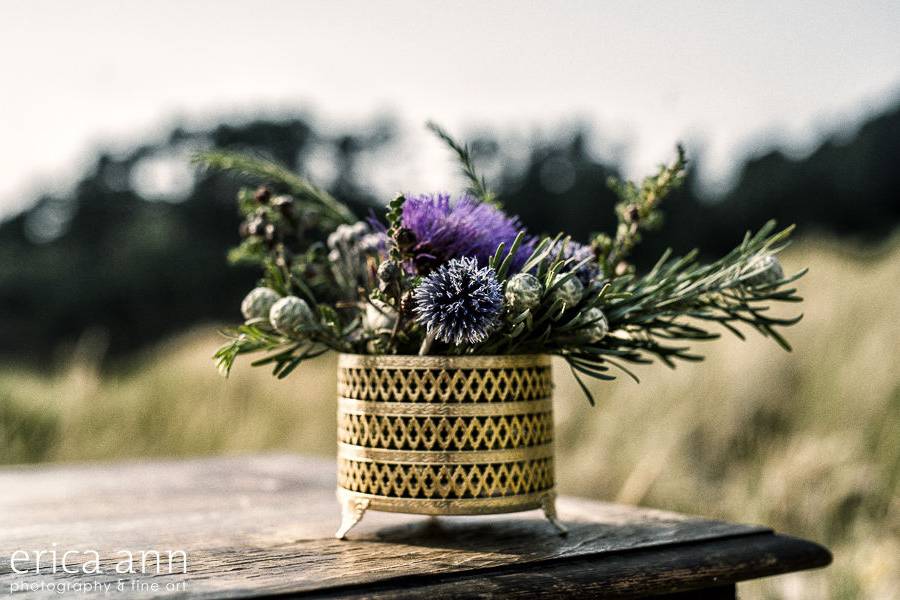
(446, 482)
(394, 384)
(500, 386)
(446, 433)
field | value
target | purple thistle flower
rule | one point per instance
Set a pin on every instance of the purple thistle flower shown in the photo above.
(444, 231)
(571, 249)
(460, 302)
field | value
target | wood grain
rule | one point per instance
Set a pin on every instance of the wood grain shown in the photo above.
(263, 525)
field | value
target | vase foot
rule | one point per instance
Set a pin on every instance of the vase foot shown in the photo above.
(548, 504)
(352, 511)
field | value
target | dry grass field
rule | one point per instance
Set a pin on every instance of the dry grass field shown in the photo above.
(805, 442)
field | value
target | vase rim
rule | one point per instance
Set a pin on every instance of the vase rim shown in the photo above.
(471, 361)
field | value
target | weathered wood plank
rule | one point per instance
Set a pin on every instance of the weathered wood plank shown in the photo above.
(665, 571)
(257, 526)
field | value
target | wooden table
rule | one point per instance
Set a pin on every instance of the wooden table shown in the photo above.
(263, 526)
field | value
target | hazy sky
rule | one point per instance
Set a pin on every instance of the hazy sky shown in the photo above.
(82, 75)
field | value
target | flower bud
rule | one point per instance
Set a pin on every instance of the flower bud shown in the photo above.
(389, 271)
(632, 213)
(284, 204)
(598, 325)
(569, 292)
(262, 194)
(406, 239)
(258, 303)
(765, 270)
(256, 225)
(380, 316)
(523, 292)
(291, 315)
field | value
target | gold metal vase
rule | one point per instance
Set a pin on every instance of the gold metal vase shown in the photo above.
(445, 435)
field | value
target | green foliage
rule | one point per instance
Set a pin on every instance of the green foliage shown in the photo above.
(394, 227)
(652, 316)
(637, 211)
(477, 184)
(284, 354)
(597, 323)
(314, 199)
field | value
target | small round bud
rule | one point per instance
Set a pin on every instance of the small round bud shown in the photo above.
(764, 270)
(407, 302)
(255, 225)
(632, 214)
(283, 203)
(380, 316)
(523, 292)
(601, 244)
(406, 239)
(623, 268)
(291, 315)
(389, 271)
(269, 231)
(596, 325)
(262, 194)
(258, 303)
(569, 292)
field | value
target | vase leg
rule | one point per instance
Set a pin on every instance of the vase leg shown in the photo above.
(549, 505)
(352, 511)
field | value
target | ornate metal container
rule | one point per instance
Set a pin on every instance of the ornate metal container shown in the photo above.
(440, 435)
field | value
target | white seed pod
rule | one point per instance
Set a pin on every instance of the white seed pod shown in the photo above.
(334, 256)
(371, 243)
(342, 236)
(379, 316)
(523, 292)
(569, 292)
(766, 270)
(598, 327)
(258, 303)
(290, 315)
(359, 229)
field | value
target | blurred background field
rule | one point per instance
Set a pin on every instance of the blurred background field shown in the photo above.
(113, 271)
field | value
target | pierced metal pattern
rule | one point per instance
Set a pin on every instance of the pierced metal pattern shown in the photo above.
(452, 481)
(409, 381)
(444, 435)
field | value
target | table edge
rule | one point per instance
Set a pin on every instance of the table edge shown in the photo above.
(747, 556)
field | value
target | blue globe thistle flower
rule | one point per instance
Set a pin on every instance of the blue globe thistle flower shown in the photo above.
(460, 302)
(467, 227)
(572, 249)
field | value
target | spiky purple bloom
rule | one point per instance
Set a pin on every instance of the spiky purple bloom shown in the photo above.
(460, 302)
(571, 249)
(467, 227)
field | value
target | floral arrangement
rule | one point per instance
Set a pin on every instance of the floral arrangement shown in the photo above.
(439, 275)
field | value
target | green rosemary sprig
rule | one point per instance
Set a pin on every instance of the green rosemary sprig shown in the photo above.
(654, 316)
(637, 211)
(315, 199)
(477, 184)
